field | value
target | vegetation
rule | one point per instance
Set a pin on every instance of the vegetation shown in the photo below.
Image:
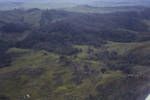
(60, 55)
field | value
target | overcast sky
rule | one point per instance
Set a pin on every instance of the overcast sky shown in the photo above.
(76, 1)
(73, 0)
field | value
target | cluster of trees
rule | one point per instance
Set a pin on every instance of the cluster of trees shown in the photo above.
(14, 27)
(5, 59)
(115, 61)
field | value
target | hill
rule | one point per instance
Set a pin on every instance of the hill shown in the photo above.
(62, 55)
(93, 9)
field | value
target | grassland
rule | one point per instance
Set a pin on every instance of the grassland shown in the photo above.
(41, 75)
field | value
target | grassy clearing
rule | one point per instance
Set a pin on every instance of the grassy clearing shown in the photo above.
(123, 48)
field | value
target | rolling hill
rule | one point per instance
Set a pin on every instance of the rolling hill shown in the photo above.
(71, 55)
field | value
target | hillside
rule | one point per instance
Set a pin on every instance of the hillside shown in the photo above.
(69, 55)
(109, 9)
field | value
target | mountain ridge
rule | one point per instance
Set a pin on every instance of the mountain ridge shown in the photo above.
(49, 4)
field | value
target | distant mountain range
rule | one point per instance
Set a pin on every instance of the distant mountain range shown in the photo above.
(109, 3)
(92, 9)
(50, 4)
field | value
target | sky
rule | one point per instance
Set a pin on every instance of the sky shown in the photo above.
(76, 0)
(4, 4)
(82, 1)
(47, 0)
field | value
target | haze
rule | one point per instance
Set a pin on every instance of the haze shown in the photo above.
(77, 1)
(51, 4)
